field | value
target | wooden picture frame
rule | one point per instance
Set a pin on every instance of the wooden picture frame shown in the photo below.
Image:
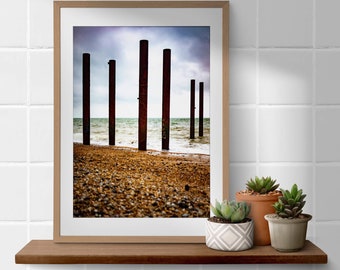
(70, 14)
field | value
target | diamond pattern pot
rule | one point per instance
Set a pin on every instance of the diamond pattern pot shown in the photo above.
(230, 236)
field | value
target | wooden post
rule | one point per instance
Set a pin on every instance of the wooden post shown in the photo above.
(112, 102)
(86, 98)
(192, 109)
(143, 94)
(201, 101)
(166, 99)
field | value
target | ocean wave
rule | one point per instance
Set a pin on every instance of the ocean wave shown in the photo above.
(127, 134)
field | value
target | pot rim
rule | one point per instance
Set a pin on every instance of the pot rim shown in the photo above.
(249, 220)
(276, 219)
(247, 196)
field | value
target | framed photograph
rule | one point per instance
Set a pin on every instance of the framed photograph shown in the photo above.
(141, 119)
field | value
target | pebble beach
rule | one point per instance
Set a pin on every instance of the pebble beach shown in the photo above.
(112, 181)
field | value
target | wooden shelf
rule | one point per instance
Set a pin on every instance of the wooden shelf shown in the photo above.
(48, 252)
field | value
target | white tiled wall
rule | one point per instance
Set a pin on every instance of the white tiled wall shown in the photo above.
(284, 117)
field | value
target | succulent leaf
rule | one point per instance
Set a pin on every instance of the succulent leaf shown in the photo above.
(290, 204)
(294, 191)
(298, 213)
(298, 195)
(291, 201)
(302, 204)
(237, 215)
(217, 209)
(295, 209)
(262, 185)
(226, 210)
(283, 215)
(231, 211)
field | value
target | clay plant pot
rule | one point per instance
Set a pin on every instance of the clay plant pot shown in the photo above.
(229, 236)
(261, 205)
(288, 235)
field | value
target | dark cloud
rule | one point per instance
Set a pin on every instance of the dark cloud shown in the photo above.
(190, 57)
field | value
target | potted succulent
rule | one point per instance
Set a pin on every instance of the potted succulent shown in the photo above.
(261, 194)
(230, 229)
(288, 226)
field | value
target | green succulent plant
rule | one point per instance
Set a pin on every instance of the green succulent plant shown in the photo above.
(231, 211)
(291, 202)
(262, 185)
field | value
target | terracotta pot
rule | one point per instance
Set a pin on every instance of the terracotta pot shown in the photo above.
(261, 205)
(288, 235)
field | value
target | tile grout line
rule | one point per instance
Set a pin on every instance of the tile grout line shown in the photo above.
(28, 72)
(314, 121)
(257, 111)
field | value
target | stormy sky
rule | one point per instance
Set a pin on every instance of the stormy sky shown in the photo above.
(190, 59)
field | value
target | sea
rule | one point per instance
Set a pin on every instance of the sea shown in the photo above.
(127, 134)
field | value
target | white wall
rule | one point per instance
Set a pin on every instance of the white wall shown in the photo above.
(284, 114)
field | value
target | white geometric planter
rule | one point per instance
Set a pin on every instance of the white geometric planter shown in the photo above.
(229, 236)
(288, 235)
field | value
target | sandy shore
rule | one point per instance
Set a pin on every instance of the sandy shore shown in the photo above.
(112, 181)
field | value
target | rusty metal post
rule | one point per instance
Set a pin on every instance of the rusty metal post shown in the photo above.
(143, 94)
(192, 109)
(166, 99)
(86, 98)
(201, 101)
(112, 102)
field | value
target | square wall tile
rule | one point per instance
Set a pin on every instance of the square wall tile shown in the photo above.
(293, 266)
(242, 23)
(288, 175)
(41, 230)
(285, 23)
(41, 23)
(13, 192)
(13, 135)
(286, 134)
(286, 267)
(13, 65)
(327, 134)
(239, 174)
(41, 79)
(286, 77)
(170, 267)
(13, 238)
(117, 267)
(242, 131)
(311, 229)
(242, 77)
(13, 21)
(327, 23)
(229, 267)
(58, 267)
(327, 176)
(327, 77)
(41, 134)
(327, 238)
(41, 192)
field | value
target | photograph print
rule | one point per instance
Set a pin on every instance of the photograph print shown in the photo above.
(141, 124)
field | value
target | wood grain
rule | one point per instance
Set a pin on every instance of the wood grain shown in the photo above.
(48, 252)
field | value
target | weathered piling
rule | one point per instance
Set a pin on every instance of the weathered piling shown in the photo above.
(86, 98)
(166, 99)
(143, 94)
(112, 102)
(201, 109)
(192, 109)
